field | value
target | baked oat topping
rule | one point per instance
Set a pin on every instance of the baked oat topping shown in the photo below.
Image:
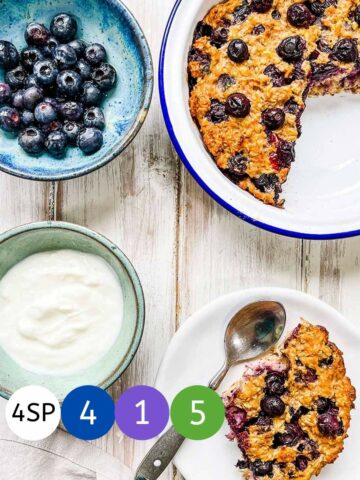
(251, 60)
(290, 412)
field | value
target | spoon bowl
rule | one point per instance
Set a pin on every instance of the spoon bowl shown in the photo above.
(251, 332)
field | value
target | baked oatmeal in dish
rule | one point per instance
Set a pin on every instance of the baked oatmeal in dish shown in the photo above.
(252, 65)
(290, 412)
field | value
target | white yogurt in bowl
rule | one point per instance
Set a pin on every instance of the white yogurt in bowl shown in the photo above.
(60, 311)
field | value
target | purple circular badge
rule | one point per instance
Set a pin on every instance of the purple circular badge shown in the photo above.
(142, 412)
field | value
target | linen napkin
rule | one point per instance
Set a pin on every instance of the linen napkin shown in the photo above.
(59, 457)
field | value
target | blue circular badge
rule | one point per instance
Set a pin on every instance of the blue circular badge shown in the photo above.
(88, 413)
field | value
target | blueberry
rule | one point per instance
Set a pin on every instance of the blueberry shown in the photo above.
(238, 51)
(267, 183)
(90, 140)
(9, 119)
(202, 30)
(258, 29)
(36, 34)
(219, 37)
(301, 462)
(54, 126)
(16, 78)
(94, 117)
(225, 81)
(5, 93)
(32, 140)
(105, 77)
(29, 56)
(238, 105)
(79, 46)
(262, 469)
(31, 81)
(291, 106)
(262, 6)
(300, 412)
(318, 7)
(238, 164)
(64, 27)
(9, 56)
(292, 435)
(27, 118)
(324, 405)
(242, 464)
(217, 112)
(276, 75)
(18, 99)
(71, 130)
(329, 425)
(69, 83)
(95, 54)
(45, 113)
(357, 14)
(32, 96)
(345, 50)
(54, 102)
(46, 72)
(273, 118)
(91, 94)
(242, 12)
(56, 143)
(326, 362)
(276, 15)
(291, 49)
(286, 153)
(65, 56)
(50, 47)
(275, 383)
(84, 69)
(272, 406)
(299, 15)
(71, 111)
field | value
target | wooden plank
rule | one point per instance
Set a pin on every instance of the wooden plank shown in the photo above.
(219, 253)
(22, 201)
(332, 273)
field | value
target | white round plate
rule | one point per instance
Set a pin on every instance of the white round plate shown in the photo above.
(323, 191)
(196, 352)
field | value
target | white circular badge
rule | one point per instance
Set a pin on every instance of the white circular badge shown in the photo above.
(33, 413)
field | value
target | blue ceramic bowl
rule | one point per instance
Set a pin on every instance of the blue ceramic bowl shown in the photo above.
(21, 242)
(105, 21)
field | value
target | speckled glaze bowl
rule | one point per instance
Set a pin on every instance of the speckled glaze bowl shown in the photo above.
(105, 21)
(26, 240)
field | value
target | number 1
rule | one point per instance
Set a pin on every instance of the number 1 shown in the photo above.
(143, 420)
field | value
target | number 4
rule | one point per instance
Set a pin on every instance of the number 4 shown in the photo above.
(195, 410)
(91, 417)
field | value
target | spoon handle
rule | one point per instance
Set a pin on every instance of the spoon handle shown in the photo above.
(160, 456)
(219, 377)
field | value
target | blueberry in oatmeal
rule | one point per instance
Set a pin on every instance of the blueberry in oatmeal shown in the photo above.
(252, 64)
(307, 429)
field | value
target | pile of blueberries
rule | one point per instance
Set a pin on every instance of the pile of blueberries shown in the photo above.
(53, 88)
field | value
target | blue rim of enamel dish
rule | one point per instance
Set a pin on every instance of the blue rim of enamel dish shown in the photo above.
(197, 177)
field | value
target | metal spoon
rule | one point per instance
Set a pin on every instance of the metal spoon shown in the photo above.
(251, 332)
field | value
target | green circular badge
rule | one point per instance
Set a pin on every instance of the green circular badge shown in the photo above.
(197, 413)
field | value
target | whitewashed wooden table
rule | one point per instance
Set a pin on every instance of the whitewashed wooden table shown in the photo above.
(186, 249)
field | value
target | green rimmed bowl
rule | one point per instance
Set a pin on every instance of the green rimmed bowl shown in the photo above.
(21, 242)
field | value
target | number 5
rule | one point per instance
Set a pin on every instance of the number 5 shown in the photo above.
(195, 410)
